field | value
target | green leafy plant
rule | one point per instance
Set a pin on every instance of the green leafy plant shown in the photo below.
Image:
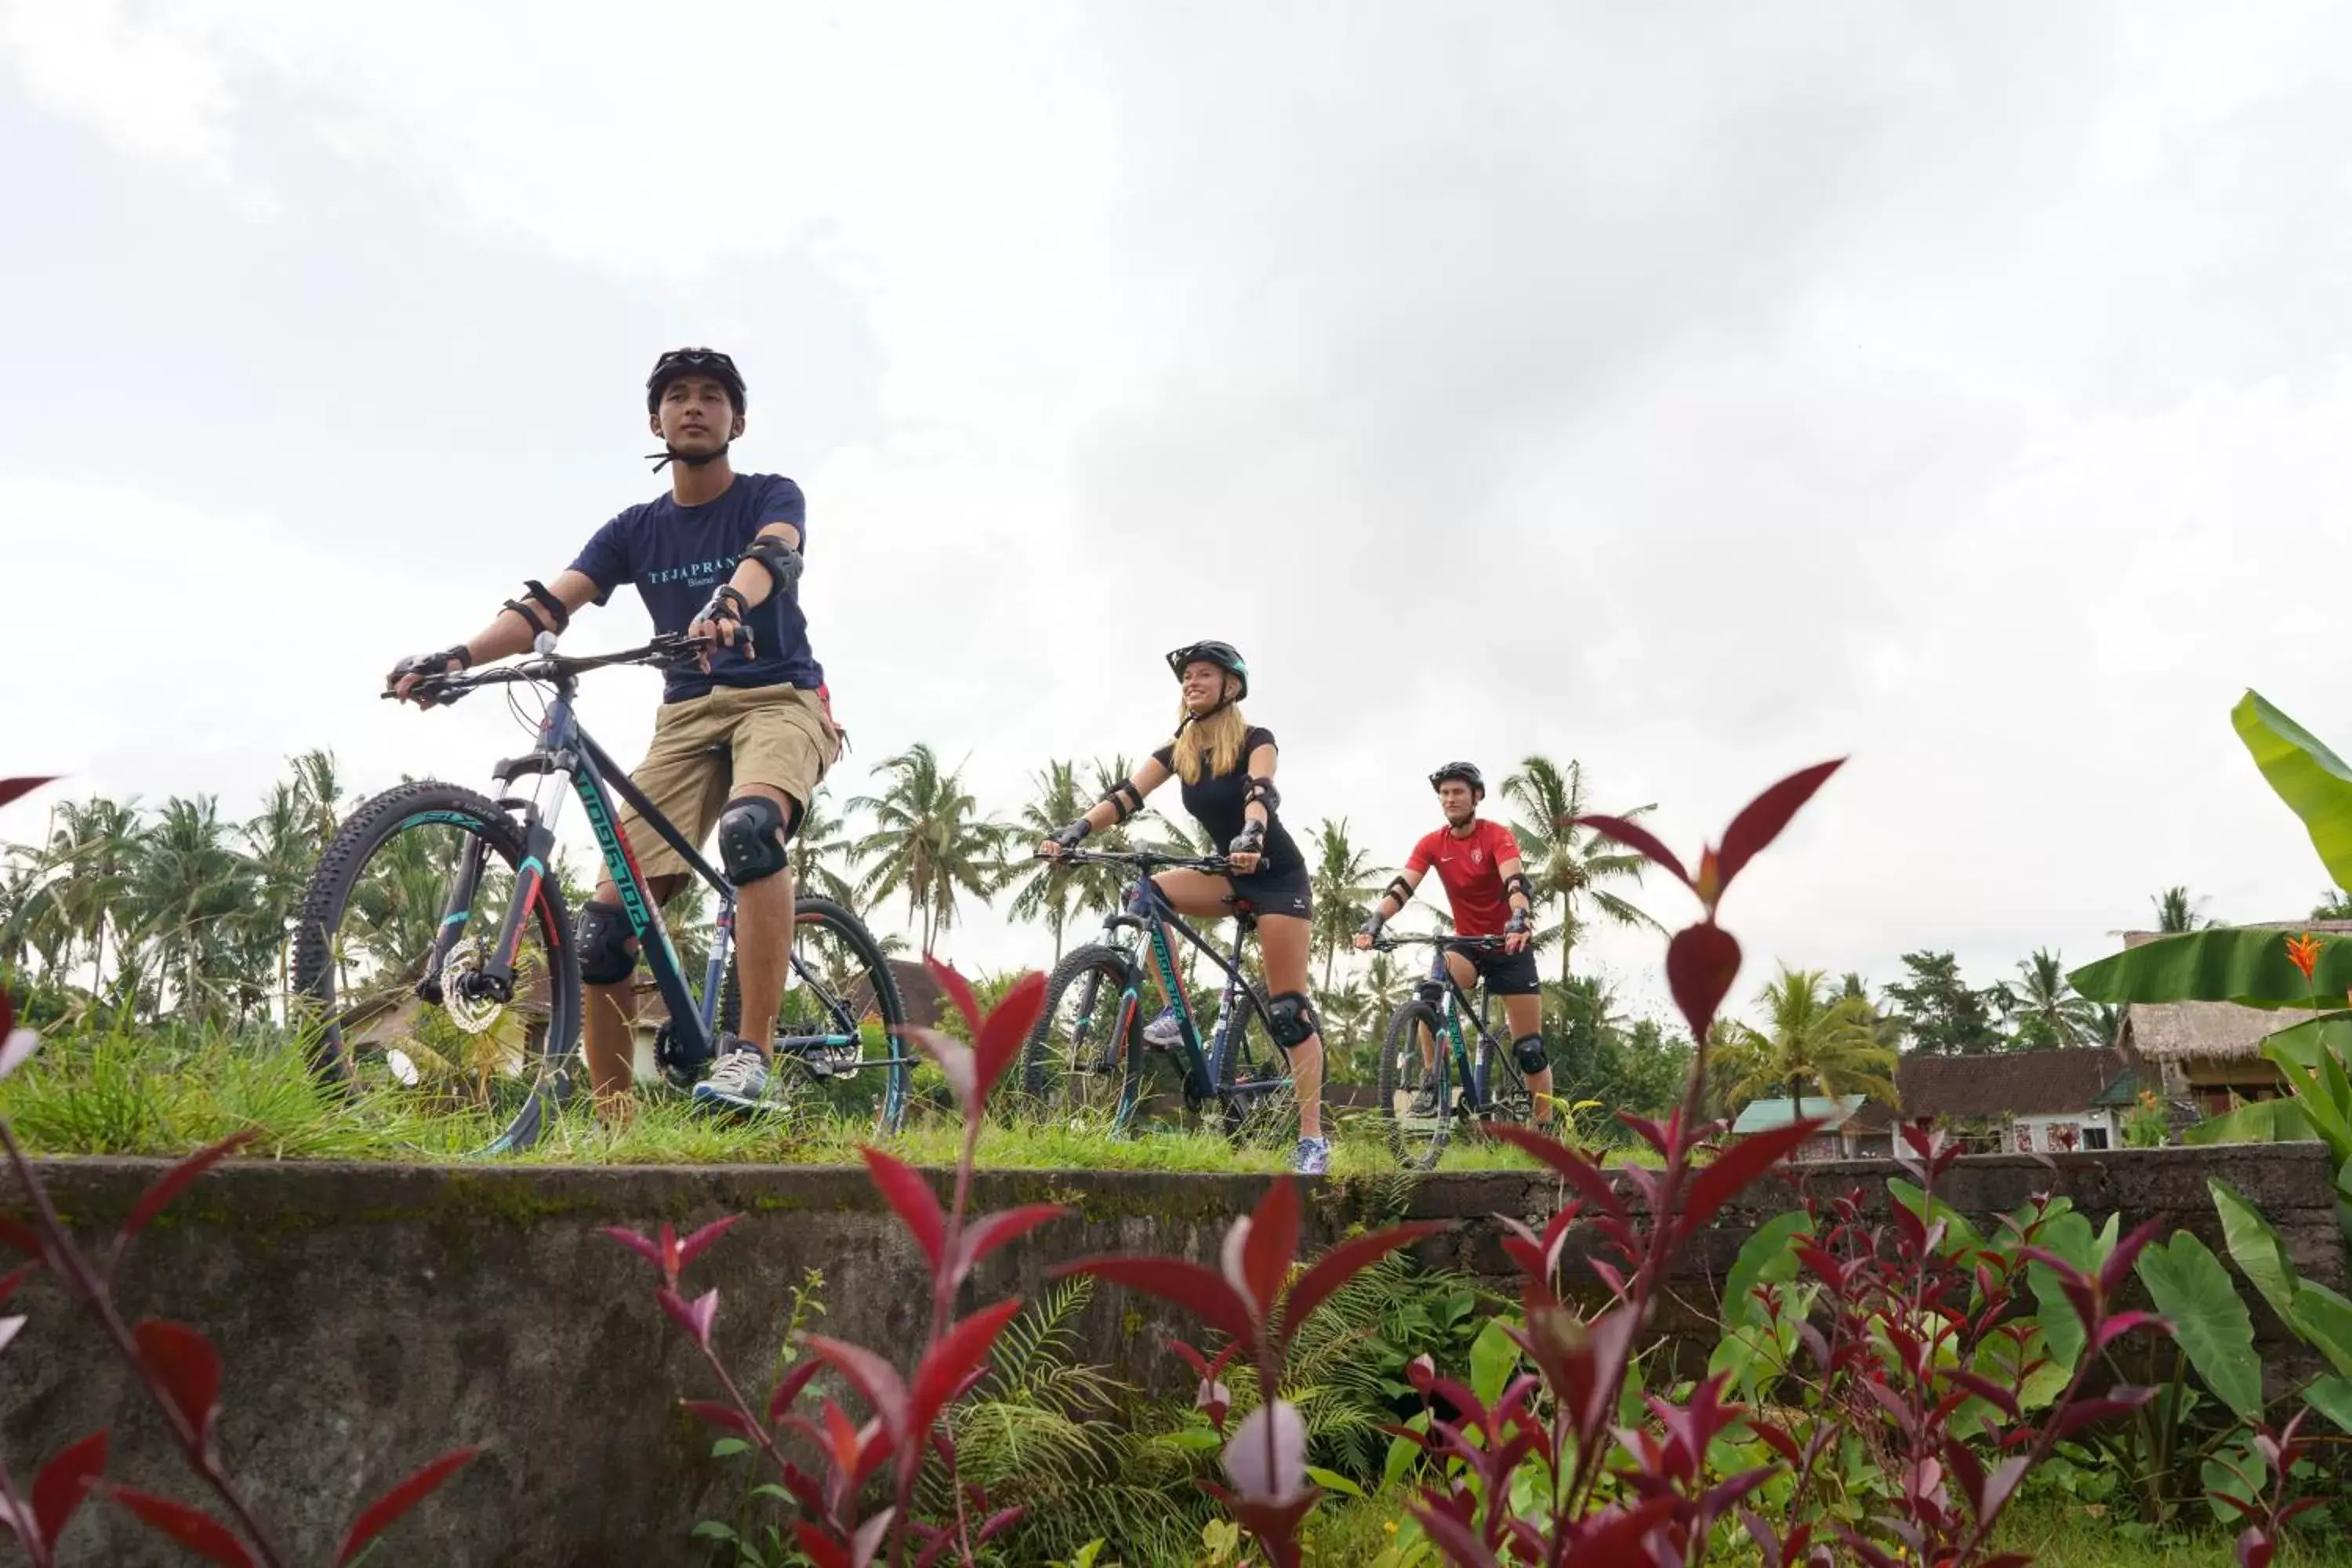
(176, 1366)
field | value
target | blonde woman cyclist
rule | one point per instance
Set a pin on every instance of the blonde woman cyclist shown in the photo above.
(1226, 767)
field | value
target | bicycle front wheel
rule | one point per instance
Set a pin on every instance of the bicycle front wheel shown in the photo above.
(385, 1013)
(1082, 1064)
(841, 1043)
(1416, 1096)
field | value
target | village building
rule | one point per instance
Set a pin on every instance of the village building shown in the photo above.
(2023, 1102)
(1859, 1128)
(2209, 1053)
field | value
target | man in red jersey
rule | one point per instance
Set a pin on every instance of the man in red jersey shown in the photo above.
(1478, 864)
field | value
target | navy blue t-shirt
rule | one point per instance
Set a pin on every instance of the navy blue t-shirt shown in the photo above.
(676, 555)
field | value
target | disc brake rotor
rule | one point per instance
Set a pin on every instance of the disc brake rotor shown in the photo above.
(470, 1011)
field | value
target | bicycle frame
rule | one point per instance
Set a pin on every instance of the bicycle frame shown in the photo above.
(1453, 1006)
(565, 754)
(1148, 914)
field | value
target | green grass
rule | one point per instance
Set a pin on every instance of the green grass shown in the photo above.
(1355, 1533)
(167, 1093)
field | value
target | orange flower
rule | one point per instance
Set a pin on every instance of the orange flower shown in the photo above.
(2303, 952)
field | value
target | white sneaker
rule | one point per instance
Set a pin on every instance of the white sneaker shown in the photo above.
(1163, 1033)
(1312, 1157)
(740, 1081)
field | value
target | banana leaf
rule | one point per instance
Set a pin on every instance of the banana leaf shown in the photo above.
(2303, 1042)
(2228, 963)
(2311, 779)
(2261, 1122)
(2322, 1094)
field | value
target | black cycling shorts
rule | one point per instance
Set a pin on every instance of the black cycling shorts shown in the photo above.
(1290, 892)
(1504, 973)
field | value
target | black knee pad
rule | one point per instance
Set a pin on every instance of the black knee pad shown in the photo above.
(1528, 1051)
(608, 952)
(752, 835)
(1292, 1019)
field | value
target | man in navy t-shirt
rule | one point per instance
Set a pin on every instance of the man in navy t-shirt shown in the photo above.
(741, 743)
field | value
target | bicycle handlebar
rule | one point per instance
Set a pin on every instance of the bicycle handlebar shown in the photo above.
(669, 648)
(1385, 942)
(1143, 859)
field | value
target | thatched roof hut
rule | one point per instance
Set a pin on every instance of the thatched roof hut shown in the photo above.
(2213, 1051)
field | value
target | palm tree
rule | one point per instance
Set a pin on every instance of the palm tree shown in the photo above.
(2176, 912)
(692, 927)
(1566, 864)
(930, 841)
(94, 848)
(1339, 880)
(1048, 893)
(1811, 1037)
(190, 886)
(320, 793)
(282, 851)
(32, 920)
(818, 849)
(1886, 1027)
(2049, 1010)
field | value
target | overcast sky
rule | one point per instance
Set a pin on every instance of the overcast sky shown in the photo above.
(1695, 389)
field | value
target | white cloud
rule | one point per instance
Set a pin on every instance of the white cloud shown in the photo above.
(142, 74)
(1699, 393)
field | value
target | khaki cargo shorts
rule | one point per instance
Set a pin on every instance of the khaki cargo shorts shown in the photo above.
(706, 748)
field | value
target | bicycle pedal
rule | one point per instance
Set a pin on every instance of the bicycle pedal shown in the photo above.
(821, 1064)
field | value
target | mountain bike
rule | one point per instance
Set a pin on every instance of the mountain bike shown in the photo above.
(1471, 1086)
(1085, 1063)
(433, 950)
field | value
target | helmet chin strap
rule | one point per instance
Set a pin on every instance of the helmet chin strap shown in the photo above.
(1220, 706)
(669, 455)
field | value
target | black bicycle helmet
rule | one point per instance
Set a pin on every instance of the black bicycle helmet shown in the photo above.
(694, 362)
(1466, 772)
(1224, 655)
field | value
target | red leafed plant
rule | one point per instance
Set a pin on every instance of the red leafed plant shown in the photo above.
(2267, 1510)
(856, 1461)
(176, 1364)
(1574, 1462)
(1251, 1298)
(1919, 1340)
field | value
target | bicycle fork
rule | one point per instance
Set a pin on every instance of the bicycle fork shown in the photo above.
(494, 980)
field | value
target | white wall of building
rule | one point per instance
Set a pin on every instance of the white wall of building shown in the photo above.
(2039, 1134)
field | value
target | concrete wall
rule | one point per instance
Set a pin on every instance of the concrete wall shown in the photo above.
(371, 1316)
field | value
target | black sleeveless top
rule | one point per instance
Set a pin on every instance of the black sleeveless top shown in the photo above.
(1217, 800)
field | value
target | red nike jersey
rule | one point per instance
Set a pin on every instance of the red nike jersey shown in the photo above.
(1467, 867)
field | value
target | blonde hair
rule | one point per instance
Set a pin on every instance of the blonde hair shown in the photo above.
(1216, 740)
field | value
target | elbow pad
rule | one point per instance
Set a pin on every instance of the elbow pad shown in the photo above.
(783, 561)
(535, 599)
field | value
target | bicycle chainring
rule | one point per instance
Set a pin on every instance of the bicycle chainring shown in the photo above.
(670, 1056)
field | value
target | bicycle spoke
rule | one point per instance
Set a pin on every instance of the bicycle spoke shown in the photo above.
(395, 962)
